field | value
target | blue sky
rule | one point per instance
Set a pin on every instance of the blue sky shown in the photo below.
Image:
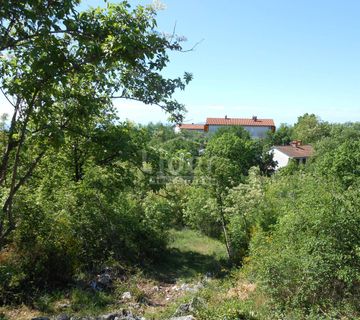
(271, 58)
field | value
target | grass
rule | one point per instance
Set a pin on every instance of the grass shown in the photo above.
(189, 240)
(90, 302)
(190, 255)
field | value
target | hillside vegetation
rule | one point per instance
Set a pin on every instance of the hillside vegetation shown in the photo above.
(99, 214)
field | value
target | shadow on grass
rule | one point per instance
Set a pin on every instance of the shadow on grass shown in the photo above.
(185, 265)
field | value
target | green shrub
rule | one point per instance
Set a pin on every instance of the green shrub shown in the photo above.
(76, 229)
(242, 205)
(311, 260)
(201, 212)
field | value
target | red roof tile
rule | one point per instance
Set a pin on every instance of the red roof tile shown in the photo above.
(240, 122)
(302, 151)
(192, 126)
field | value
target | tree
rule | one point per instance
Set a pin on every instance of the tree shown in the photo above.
(241, 210)
(201, 211)
(236, 130)
(342, 162)
(60, 69)
(282, 136)
(225, 164)
(309, 128)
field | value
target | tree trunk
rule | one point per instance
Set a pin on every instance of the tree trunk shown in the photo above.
(7, 212)
(10, 145)
(223, 225)
(226, 236)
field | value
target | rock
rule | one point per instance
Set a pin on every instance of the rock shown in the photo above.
(64, 306)
(40, 318)
(110, 316)
(194, 288)
(119, 315)
(63, 316)
(183, 318)
(183, 309)
(186, 308)
(104, 280)
(126, 296)
(197, 302)
(184, 287)
(128, 316)
(123, 315)
(198, 287)
(155, 288)
(134, 305)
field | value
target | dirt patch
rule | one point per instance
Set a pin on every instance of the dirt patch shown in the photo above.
(241, 291)
(20, 313)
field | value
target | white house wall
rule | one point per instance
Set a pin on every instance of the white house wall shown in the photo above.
(281, 158)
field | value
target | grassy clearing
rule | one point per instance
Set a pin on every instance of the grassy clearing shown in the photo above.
(190, 255)
(189, 240)
(228, 296)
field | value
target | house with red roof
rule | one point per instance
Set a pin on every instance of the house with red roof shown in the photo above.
(191, 127)
(257, 127)
(295, 151)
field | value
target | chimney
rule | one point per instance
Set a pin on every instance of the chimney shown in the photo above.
(254, 118)
(295, 143)
(226, 117)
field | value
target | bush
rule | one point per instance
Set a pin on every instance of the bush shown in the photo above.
(242, 209)
(342, 162)
(311, 260)
(201, 212)
(76, 229)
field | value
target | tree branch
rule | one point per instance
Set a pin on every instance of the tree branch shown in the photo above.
(26, 39)
(10, 144)
(21, 182)
(7, 98)
(7, 208)
(193, 47)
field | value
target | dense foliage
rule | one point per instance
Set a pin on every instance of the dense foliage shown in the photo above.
(296, 233)
(304, 250)
(61, 69)
(80, 189)
(74, 180)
